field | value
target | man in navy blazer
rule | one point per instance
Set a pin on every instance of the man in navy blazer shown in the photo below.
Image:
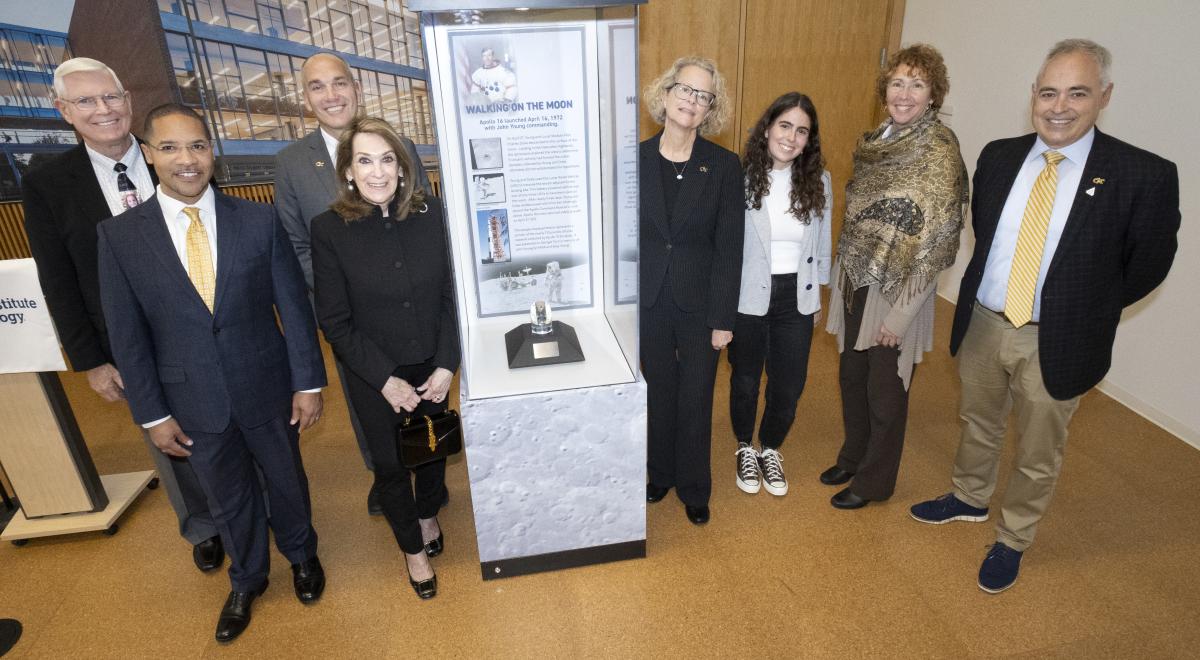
(192, 282)
(1109, 241)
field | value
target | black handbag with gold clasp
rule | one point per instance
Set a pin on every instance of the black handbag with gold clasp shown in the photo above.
(427, 438)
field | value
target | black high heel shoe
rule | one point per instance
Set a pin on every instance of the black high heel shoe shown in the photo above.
(436, 546)
(425, 589)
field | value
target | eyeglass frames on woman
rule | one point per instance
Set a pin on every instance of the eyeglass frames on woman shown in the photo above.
(93, 102)
(684, 92)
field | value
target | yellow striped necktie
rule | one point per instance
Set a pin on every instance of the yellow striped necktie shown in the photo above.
(199, 256)
(1031, 243)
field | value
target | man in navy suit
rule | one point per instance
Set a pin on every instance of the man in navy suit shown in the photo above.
(64, 200)
(1036, 318)
(192, 282)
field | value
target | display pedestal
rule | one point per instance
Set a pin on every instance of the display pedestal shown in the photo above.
(557, 479)
(122, 490)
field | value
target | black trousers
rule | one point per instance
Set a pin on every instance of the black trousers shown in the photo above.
(780, 339)
(680, 367)
(874, 410)
(225, 465)
(394, 482)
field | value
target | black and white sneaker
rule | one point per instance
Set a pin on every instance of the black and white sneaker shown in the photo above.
(748, 477)
(772, 471)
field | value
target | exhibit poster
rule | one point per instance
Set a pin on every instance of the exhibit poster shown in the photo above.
(522, 102)
(624, 109)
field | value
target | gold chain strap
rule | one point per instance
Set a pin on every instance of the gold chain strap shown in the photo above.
(432, 438)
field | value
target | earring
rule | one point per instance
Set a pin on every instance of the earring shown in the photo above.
(349, 184)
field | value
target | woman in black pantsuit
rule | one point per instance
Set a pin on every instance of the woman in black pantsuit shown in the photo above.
(690, 265)
(385, 301)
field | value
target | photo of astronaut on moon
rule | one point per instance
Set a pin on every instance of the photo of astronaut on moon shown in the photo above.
(512, 287)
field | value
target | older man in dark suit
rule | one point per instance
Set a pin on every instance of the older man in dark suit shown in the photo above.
(193, 283)
(1071, 226)
(63, 200)
(305, 183)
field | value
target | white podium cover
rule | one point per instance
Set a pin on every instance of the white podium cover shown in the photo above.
(27, 339)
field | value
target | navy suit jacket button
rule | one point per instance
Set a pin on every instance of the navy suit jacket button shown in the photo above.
(668, 246)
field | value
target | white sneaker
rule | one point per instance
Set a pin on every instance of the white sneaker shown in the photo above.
(772, 470)
(748, 477)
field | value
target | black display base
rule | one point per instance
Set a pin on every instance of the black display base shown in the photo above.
(555, 561)
(526, 349)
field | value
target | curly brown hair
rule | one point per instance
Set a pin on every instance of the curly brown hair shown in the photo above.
(718, 113)
(350, 204)
(808, 191)
(923, 59)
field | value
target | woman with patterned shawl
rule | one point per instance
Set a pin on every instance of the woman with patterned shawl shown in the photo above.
(904, 211)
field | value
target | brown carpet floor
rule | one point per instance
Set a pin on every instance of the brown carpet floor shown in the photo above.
(1113, 573)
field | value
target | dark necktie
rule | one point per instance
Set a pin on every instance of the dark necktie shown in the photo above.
(125, 187)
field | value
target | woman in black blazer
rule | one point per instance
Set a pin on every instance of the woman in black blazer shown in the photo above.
(690, 265)
(385, 301)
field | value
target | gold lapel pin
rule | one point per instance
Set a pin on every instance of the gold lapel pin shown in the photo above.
(319, 163)
(704, 169)
(1098, 181)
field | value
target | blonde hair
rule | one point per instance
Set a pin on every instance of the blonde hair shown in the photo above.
(718, 113)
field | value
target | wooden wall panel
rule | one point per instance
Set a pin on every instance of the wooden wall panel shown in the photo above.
(670, 29)
(828, 50)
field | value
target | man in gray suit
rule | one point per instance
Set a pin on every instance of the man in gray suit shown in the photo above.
(306, 184)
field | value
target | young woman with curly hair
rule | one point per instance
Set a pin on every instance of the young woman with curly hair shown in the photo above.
(785, 259)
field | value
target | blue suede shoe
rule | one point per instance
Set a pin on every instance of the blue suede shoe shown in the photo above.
(999, 569)
(947, 508)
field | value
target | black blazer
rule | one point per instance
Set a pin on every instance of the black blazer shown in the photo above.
(63, 204)
(208, 368)
(700, 246)
(1116, 247)
(385, 292)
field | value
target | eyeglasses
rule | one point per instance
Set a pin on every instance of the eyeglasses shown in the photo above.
(92, 102)
(197, 148)
(684, 92)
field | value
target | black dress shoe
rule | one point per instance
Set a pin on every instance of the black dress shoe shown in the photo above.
(835, 476)
(697, 514)
(656, 493)
(435, 547)
(209, 554)
(309, 580)
(425, 589)
(235, 615)
(374, 508)
(847, 500)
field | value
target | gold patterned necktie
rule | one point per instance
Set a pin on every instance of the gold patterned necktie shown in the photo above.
(199, 256)
(1031, 243)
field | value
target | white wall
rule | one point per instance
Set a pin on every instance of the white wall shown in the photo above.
(993, 51)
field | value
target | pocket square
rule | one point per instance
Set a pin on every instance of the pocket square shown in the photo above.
(1091, 192)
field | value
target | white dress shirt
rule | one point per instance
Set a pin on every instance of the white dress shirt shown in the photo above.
(106, 176)
(177, 226)
(331, 144)
(993, 288)
(789, 236)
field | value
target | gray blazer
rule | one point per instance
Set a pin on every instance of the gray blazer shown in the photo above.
(811, 272)
(305, 186)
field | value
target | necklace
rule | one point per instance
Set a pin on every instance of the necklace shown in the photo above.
(679, 171)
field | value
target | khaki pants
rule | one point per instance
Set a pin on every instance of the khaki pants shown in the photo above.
(999, 369)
